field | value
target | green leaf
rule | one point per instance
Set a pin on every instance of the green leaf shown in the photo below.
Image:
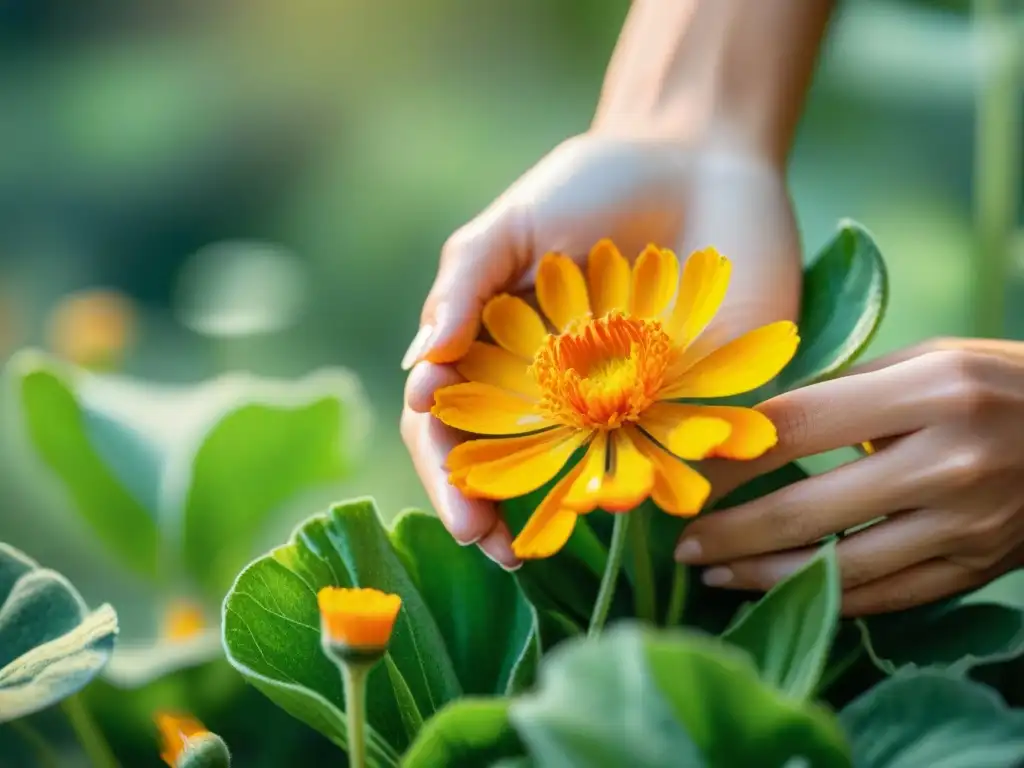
(51, 645)
(466, 734)
(641, 697)
(184, 478)
(935, 719)
(461, 627)
(844, 299)
(980, 628)
(789, 631)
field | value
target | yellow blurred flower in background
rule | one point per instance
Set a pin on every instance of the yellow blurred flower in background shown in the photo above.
(177, 732)
(92, 328)
(603, 373)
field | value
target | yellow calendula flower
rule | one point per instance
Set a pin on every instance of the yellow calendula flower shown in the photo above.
(607, 371)
(358, 618)
(182, 621)
(177, 732)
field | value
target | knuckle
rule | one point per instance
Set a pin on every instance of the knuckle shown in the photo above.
(965, 389)
(792, 422)
(967, 466)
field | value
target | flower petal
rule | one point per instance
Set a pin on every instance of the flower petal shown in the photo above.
(625, 478)
(490, 364)
(523, 471)
(514, 325)
(561, 290)
(465, 455)
(550, 525)
(752, 433)
(678, 489)
(701, 292)
(740, 366)
(486, 410)
(687, 431)
(655, 281)
(608, 275)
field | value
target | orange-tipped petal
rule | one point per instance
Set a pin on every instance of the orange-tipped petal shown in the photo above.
(655, 281)
(514, 325)
(615, 476)
(608, 276)
(686, 431)
(490, 364)
(486, 410)
(562, 291)
(701, 292)
(678, 489)
(465, 455)
(550, 525)
(741, 365)
(523, 471)
(358, 618)
(751, 434)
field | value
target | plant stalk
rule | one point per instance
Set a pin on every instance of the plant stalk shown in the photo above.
(354, 674)
(677, 597)
(88, 733)
(610, 580)
(644, 598)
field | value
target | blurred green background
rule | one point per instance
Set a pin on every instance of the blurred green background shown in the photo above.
(265, 185)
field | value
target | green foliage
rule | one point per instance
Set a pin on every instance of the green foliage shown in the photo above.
(466, 734)
(463, 628)
(932, 718)
(205, 751)
(789, 632)
(51, 645)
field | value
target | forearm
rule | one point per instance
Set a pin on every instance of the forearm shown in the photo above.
(726, 72)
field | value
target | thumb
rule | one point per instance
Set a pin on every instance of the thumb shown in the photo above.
(477, 262)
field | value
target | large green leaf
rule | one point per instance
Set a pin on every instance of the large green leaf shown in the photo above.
(51, 645)
(641, 697)
(844, 298)
(982, 627)
(935, 719)
(463, 626)
(789, 632)
(466, 734)
(181, 479)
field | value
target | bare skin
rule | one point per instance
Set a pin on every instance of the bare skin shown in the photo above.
(947, 421)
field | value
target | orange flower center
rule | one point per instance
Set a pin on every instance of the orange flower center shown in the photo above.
(602, 373)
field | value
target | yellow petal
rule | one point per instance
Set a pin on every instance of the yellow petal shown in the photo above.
(358, 617)
(471, 452)
(740, 366)
(514, 325)
(752, 433)
(561, 290)
(687, 431)
(523, 471)
(608, 275)
(489, 364)
(550, 525)
(624, 477)
(486, 410)
(655, 280)
(701, 292)
(678, 489)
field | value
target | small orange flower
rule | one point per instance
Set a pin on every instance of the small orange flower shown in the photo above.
(615, 370)
(176, 732)
(183, 620)
(92, 328)
(358, 618)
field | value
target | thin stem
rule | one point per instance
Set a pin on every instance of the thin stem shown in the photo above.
(88, 733)
(677, 597)
(47, 757)
(837, 670)
(610, 579)
(354, 676)
(643, 571)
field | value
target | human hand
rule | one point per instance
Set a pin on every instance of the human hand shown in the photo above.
(946, 420)
(592, 187)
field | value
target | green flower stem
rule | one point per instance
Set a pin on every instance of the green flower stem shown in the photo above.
(611, 574)
(643, 571)
(677, 597)
(354, 674)
(88, 733)
(44, 752)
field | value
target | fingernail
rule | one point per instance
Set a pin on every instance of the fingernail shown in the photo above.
(420, 344)
(688, 551)
(717, 577)
(503, 565)
(466, 542)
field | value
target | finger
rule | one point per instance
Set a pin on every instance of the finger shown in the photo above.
(477, 262)
(429, 442)
(804, 512)
(879, 550)
(997, 347)
(424, 380)
(918, 585)
(497, 545)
